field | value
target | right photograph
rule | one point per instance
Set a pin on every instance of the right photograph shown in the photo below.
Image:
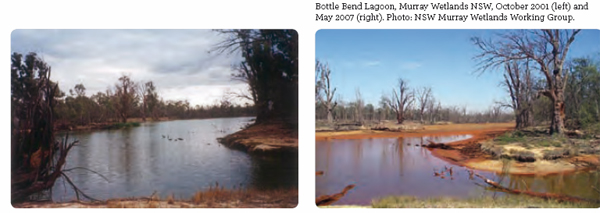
(457, 118)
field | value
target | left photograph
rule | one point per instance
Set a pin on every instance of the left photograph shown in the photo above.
(154, 118)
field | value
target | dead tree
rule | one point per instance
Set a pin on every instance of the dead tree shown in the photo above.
(402, 98)
(360, 105)
(126, 95)
(324, 85)
(519, 83)
(547, 48)
(424, 97)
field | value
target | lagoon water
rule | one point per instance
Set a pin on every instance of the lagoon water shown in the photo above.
(138, 161)
(395, 166)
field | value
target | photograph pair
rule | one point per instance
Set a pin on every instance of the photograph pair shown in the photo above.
(210, 118)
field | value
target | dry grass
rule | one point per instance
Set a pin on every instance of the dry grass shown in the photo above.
(220, 197)
(214, 197)
(508, 201)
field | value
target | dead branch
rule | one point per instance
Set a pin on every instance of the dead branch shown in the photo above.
(327, 200)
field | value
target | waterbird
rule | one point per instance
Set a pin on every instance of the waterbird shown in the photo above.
(180, 139)
(163, 136)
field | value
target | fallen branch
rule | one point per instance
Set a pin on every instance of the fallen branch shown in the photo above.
(326, 200)
(558, 197)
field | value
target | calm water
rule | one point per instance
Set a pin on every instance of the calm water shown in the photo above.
(138, 161)
(390, 166)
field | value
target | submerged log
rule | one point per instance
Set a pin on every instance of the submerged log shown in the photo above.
(435, 145)
(558, 197)
(326, 200)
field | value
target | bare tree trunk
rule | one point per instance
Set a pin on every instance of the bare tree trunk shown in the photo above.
(400, 117)
(324, 85)
(558, 114)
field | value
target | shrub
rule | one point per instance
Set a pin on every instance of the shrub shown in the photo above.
(524, 156)
(553, 154)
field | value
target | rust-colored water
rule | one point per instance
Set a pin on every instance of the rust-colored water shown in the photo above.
(395, 166)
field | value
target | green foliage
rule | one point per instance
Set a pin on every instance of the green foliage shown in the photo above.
(270, 68)
(582, 94)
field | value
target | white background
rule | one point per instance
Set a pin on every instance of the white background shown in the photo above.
(198, 14)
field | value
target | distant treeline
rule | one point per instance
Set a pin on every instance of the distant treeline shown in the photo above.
(433, 111)
(127, 99)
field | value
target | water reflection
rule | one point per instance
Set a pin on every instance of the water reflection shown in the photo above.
(397, 166)
(138, 161)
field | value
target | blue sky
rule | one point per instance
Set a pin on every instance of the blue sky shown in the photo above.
(373, 60)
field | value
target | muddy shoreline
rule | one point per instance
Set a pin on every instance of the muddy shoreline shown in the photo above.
(468, 152)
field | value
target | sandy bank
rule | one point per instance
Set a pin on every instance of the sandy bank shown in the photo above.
(265, 138)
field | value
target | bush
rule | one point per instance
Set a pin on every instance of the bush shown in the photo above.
(553, 154)
(524, 156)
(571, 151)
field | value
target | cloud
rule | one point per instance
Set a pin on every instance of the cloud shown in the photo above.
(177, 61)
(410, 65)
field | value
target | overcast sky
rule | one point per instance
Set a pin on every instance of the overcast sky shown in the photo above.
(177, 61)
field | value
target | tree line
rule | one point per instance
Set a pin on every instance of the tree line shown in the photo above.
(127, 99)
(130, 99)
(402, 103)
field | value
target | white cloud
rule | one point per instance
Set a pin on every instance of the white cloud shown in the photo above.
(410, 65)
(177, 61)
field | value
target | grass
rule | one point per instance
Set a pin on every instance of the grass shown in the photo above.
(216, 197)
(508, 138)
(220, 197)
(508, 201)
